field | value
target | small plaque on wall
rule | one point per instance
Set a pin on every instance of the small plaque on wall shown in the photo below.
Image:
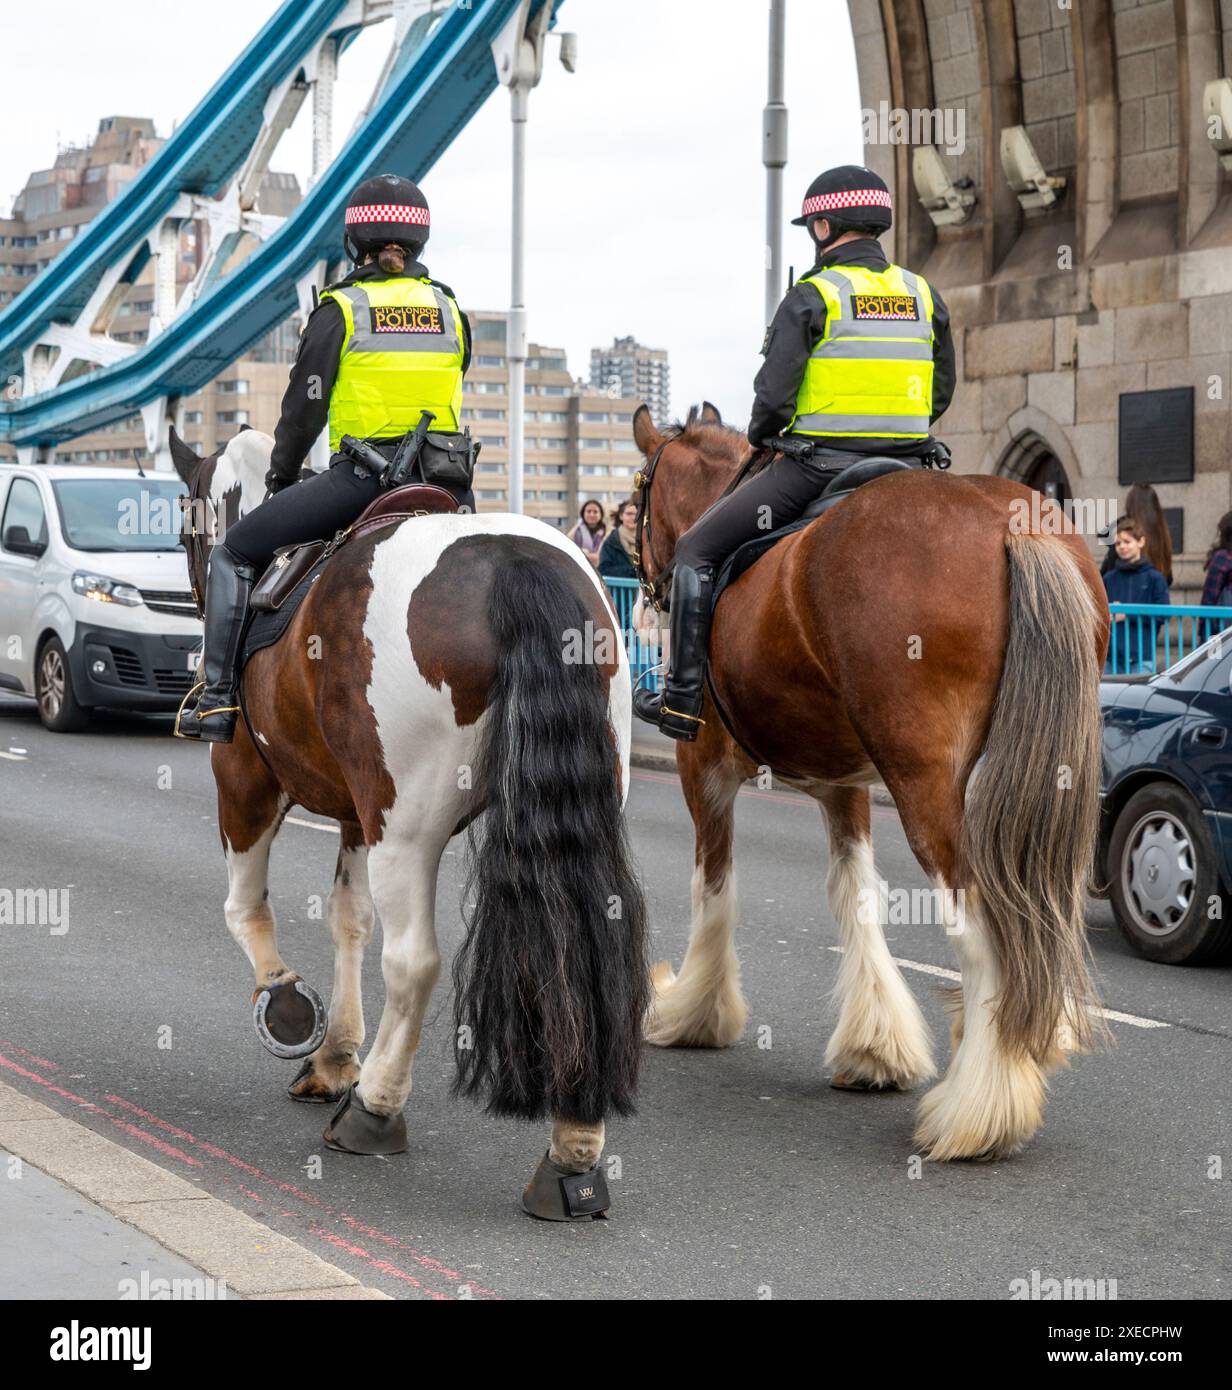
(1155, 436)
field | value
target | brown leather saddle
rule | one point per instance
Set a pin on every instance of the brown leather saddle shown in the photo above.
(292, 564)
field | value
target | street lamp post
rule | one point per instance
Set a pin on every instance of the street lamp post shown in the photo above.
(774, 156)
(518, 51)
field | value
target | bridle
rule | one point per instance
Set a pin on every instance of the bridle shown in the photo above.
(192, 538)
(652, 591)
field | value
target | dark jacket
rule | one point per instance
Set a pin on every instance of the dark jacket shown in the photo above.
(1140, 582)
(797, 328)
(613, 562)
(305, 406)
(1218, 587)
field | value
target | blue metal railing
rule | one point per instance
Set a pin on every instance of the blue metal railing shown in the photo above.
(643, 655)
(1150, 637)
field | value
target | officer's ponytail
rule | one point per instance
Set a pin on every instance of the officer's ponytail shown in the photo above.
(392, 259)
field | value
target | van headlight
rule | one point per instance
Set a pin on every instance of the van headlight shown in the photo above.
(105, 590)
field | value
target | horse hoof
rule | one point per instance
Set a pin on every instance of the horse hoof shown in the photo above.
(290, 1019)
(556, 1194)
(842, 1082)
(315, 1092)
(354, 1129)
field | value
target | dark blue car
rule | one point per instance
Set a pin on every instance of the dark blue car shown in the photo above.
(1165, 847)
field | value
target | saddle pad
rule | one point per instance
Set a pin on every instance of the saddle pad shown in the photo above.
(747, 555)
(265, 628)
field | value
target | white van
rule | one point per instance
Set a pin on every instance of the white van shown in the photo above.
(95, 603)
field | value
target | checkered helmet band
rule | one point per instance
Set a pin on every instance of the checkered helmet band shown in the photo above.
(369, 213)
(848, 198)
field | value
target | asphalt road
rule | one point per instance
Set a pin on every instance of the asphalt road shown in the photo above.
(744, 1175)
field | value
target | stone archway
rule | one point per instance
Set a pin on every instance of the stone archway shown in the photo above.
(1030, 459)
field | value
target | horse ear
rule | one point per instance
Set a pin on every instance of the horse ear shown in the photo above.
(645, 435)
(243, 427)
(710, 414)
(185, 461)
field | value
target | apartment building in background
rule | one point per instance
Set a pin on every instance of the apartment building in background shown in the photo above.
(628, 368)
(579, 442)
(49, 212)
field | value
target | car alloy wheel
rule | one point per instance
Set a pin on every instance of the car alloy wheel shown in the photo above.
(1159, 873)
(52, 681)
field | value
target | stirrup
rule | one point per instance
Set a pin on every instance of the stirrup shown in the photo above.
(179, 714)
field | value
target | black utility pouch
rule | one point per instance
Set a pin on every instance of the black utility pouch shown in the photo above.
(448, 460)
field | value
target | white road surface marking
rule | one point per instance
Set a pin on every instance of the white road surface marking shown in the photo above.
(1112, 1015)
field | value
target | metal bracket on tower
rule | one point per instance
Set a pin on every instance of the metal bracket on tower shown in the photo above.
(156, 417)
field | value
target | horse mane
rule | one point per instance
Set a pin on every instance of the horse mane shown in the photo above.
(713, 440)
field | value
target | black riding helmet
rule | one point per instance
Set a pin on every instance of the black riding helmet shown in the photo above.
(849, 197)
(382, 210)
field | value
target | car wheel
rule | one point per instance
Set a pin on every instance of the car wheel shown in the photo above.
(58, 706)
(1164, 879)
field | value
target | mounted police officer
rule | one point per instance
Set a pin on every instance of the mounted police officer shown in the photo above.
(385, 347)
(858, 361)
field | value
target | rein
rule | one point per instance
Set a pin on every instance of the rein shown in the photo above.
(653, 590)
(193, 539)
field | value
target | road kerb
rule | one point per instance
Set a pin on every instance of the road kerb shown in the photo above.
(218, 1239)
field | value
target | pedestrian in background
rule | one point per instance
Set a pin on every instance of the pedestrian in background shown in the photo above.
(1142, 505)
(1217, 591)
(618, 558)
(1133, 579)
(590, 531)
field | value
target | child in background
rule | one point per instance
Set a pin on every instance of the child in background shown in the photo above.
(1133, 579)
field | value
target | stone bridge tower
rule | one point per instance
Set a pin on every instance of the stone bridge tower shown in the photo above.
(1080, 230)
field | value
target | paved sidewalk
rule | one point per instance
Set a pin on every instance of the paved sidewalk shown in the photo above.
(58, 1244)
(81, 1213)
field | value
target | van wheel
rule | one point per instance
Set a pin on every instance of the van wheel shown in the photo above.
(58, 706)
(1164, 879)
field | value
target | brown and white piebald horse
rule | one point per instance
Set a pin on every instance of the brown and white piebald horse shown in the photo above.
(924, 625)
(429, 681)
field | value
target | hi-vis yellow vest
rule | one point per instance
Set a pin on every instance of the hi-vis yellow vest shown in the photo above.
(402, 355)
(871, 374)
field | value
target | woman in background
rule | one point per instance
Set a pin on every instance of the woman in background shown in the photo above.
(588, 534)
(616, 559)
(1142, 504)
(1217, 591)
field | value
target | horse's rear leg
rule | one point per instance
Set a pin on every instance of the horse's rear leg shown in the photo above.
(991, 1098)
(703, 1006)
(881, 1040)
(334, 1067)
(404, 872)
(289, 1015)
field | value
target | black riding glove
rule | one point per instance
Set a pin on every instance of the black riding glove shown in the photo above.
(275, 484)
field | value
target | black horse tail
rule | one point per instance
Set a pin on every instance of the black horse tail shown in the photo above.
(551, 982)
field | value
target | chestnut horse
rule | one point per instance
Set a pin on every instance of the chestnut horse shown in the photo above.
(427, 682)
(913, 630)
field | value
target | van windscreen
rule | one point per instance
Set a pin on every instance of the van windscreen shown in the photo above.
(120, 513)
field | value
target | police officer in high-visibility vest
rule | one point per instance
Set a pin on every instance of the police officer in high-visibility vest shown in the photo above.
(858, 361)
(384, 345)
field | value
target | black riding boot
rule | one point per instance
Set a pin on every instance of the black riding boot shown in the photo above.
(212, 718)
(677, 711)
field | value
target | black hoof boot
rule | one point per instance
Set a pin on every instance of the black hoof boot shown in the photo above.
(354, 1129)
(290, 1019)
(556, 1194)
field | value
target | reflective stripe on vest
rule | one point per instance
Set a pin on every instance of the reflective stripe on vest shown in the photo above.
(871, 374)
(402, 355)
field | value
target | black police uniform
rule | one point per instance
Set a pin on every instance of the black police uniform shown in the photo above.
(328, 502)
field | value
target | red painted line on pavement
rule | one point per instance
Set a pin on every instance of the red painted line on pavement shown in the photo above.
(29, 1056)
(137, 1133)
(372, 1232)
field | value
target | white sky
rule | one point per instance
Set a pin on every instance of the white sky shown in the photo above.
(645, 185)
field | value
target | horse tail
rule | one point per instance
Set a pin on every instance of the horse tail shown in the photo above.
(551, 981)
(1032, 811)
